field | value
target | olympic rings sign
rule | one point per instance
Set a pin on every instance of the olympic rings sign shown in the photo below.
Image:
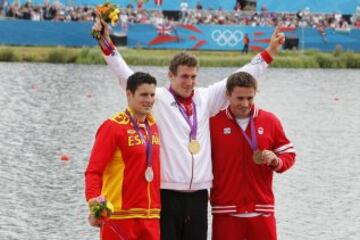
(227, 37)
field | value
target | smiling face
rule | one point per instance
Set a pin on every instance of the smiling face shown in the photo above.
(183, 80)
(140, 92)
(142, 100)
(241, 100)
(241, 89)
(183, 71)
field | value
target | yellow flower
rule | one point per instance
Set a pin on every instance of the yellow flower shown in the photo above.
(114, 16)
(114, 13)
(110, 206)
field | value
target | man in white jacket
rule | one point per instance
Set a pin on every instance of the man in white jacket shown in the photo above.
(182, 112)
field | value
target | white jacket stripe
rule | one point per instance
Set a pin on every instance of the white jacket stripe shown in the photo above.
(283, 148)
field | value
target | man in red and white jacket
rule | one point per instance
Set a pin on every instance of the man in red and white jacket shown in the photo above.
(248, 146)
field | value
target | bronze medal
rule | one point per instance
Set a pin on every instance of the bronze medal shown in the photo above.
(194, 146)
(257, 157)
(149, 174)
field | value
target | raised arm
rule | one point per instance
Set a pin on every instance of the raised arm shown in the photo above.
(256, 67)
(112, 57)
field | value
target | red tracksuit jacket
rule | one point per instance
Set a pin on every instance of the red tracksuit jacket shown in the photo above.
(117, 167)
(240, 185)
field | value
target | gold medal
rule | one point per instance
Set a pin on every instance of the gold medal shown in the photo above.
(194, 146)
(149, 174)
(257, 157)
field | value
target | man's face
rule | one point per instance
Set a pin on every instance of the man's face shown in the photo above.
(241, 100)
(183, 82)
(143, 99)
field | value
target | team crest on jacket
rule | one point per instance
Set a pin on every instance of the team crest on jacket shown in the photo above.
(120, 118)
(227, 131)
(260, 130)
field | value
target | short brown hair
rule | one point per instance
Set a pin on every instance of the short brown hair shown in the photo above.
(182, 59)
(240, 79)
(137, 79)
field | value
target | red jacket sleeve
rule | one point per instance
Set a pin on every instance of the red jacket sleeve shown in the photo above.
(283, 148)
(101, 154)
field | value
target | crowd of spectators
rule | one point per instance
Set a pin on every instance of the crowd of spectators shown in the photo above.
(137, 14)
(54, 11)
(302, 18)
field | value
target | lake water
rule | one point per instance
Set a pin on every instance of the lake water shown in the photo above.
(49, 110)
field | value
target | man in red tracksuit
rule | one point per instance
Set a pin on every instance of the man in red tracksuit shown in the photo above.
(248, 146)
(124, 166)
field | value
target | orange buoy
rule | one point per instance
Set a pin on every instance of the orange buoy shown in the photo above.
(64, 157)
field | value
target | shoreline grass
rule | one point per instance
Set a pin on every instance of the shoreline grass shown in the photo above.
(92, 55)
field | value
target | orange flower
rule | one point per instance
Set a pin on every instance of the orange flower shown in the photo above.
(103, 10)
(104, 213)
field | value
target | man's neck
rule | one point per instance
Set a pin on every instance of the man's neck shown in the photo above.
(139, 117)
(181, 98)
(238, 117)
(242, 117)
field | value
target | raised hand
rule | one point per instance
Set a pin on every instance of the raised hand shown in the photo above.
(100, 28)
(276, 41)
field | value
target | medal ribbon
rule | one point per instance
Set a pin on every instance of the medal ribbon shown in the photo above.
(252, 142)
(148, 144)
(194, 124)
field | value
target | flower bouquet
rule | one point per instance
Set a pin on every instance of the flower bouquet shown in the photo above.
(108, 13)
(100, 208)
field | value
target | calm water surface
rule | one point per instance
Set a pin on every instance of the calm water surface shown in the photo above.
(49, 110)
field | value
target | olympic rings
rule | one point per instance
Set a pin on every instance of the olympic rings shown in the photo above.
(227, 37)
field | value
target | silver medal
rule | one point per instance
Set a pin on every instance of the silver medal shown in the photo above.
(149, 174)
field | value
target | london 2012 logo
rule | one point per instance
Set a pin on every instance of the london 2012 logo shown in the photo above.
(227, 37)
